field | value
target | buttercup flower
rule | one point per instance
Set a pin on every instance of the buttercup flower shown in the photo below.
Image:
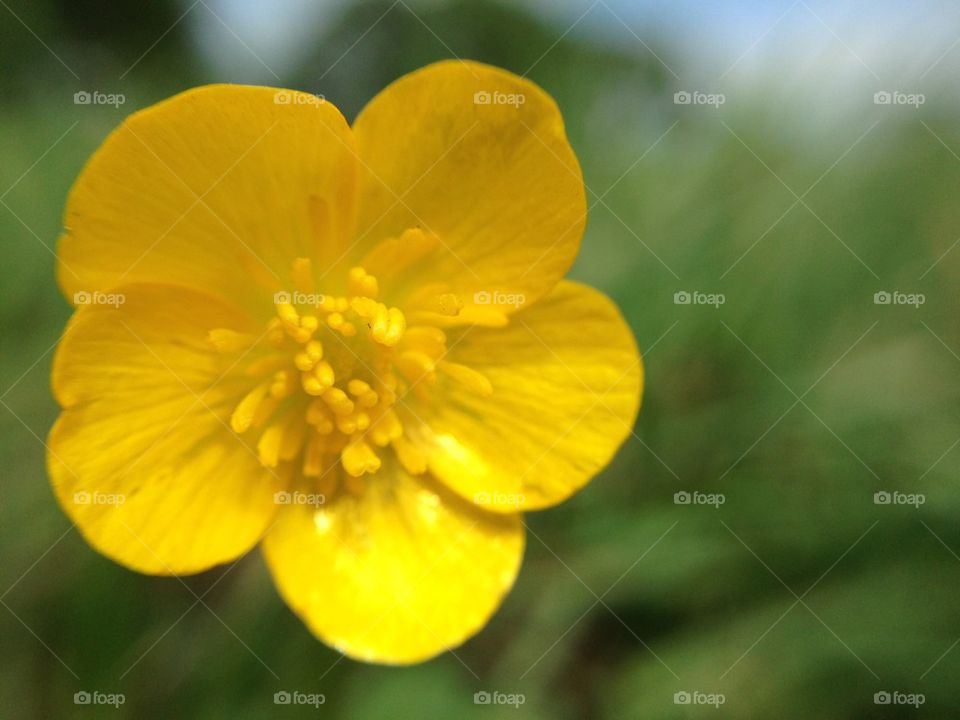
(353, 344)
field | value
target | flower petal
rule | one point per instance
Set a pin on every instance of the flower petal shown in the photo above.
(142, 458)
(566, 377)
(211, 189)
(398, 573)
(496, 182)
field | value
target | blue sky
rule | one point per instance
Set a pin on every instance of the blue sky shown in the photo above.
(885, 43)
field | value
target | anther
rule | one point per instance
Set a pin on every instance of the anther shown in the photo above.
(243, 414)
(361, 284)
(476, 382)
(338, 401)
(359, 458)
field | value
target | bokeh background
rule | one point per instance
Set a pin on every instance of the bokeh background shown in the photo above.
(796, 399)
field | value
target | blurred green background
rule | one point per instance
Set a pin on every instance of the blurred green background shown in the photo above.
(798, 398)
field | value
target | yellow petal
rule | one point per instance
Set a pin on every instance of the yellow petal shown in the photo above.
(396, 574)
(496, 182)
(142, 458)
(566, 379)
(211, 189)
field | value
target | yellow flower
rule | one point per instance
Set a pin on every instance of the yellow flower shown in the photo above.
(352, 344)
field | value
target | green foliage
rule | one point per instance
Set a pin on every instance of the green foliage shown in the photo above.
(797, 399)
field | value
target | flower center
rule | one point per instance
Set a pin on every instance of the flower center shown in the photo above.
(330, 375)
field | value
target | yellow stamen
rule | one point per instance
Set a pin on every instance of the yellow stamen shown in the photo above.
(319, 379)
(325, 408)
(395, 256)
(265, 410)
(347, 424)
(359, 458)
(365, 396)
(361, 284)
(312, 457)
(302, 274)
(266, 364)
(283, 385)
(243, 414)
(308, 358)
(387, 428)
(338, 401)
(268, 447)
(293, 436)
(319, 416)
(288, 314)
(226, 340)
(429, 340)
(415, 365)
(335, 320)
(447, 304)
(475, 382)
(411, 457)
